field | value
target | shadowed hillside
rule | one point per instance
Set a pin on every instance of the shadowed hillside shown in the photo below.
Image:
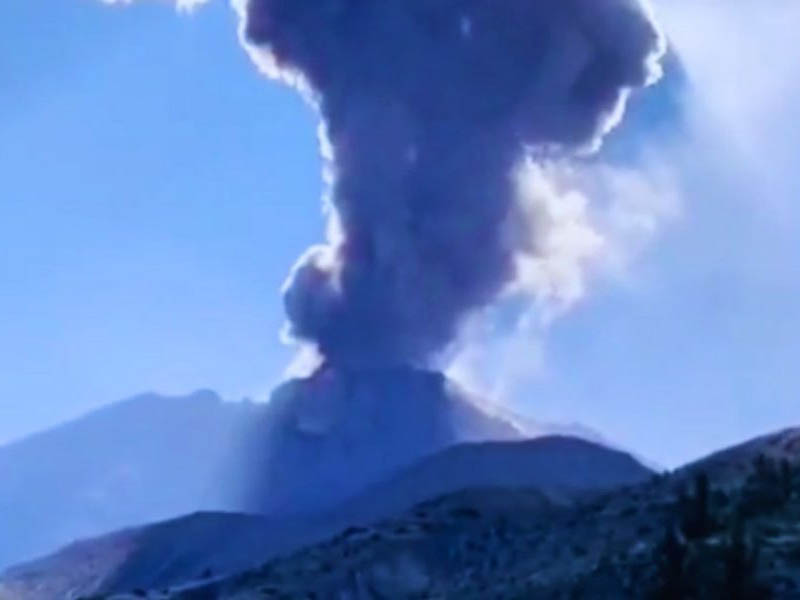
(557, 471)
(725, 528)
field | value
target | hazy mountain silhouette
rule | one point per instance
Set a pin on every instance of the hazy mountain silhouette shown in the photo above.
(151, 457)
(143, 459)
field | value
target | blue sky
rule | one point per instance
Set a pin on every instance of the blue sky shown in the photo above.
(153, 195)
(154, 192)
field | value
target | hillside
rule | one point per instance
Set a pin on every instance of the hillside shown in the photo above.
(693, 535)
(143, 459)
(561, 468)
(558, 471)
(151, 457)
(732, 465)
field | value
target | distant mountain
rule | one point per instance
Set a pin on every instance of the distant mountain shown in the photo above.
(555, 471)
(143, 459)
(151, 458)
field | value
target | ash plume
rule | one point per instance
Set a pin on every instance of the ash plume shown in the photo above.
(427, 108)
(438, 121)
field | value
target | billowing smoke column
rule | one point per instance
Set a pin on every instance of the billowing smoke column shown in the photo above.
(427, 107)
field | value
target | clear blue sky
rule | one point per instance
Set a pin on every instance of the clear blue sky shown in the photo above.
(154, 191)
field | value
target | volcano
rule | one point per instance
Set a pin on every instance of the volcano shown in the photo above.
(325, 438)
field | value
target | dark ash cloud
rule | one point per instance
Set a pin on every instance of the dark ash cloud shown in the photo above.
(427, 107)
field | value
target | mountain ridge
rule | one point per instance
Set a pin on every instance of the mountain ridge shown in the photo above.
(707, 536)
(179, 544)
(147, 457)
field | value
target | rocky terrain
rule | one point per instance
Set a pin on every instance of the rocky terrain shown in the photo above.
(724, 528)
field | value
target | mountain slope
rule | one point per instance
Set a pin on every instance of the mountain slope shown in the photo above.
(630, 544)
(151, 457)
(342, 431)
(140, 460)
(141, 557)
(167, 554)
(559, 467)
(733, 464)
